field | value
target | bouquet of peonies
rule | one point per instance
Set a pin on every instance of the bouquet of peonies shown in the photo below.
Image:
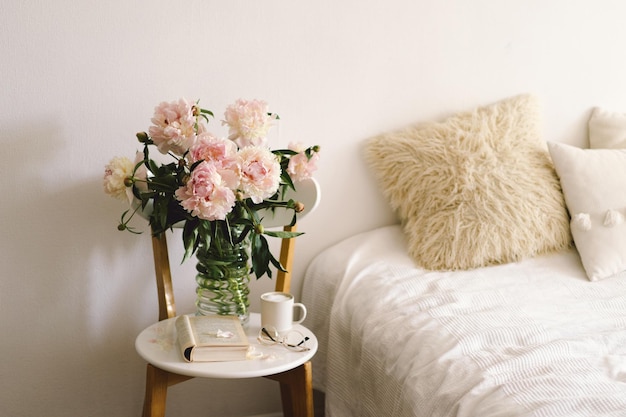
(211, 185)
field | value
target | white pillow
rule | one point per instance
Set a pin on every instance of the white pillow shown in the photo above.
(594, 186)
(607, 129)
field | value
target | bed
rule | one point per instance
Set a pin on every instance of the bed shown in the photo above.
(530, 338)
(480, 303)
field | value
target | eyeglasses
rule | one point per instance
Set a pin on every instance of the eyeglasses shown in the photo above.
(292, 340)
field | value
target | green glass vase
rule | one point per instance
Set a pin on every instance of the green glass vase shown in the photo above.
(223, 276)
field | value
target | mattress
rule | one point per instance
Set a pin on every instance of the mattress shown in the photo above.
(531, 338)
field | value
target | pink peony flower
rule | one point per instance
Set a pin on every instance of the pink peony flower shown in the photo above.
(173, 128)
(210, 148)
(116, 175)
(205, 195)
(260, 173)
(222, 153)
(301, 167)
(248, 122)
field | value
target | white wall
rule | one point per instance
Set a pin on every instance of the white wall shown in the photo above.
(79, 78)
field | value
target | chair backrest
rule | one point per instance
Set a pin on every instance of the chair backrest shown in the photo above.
(307, 193)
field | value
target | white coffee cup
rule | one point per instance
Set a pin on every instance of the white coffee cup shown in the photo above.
(277, 311)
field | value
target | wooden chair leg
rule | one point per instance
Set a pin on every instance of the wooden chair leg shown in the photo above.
(156, 392)
(157, 381)
(296, 389)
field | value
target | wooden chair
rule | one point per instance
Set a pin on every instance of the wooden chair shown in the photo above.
(296, 386)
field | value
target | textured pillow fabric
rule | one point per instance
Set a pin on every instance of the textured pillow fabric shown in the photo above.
(607, 129)
(476, 189)
(594, 185)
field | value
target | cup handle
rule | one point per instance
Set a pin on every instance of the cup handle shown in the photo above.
(303, 313)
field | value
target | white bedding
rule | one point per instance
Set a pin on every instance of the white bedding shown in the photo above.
(533, 338)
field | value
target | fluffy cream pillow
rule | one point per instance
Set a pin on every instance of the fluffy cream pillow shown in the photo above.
(474, 190)
(594, 185)
(607, 129)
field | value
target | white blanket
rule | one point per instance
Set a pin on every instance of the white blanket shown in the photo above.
(533, 338)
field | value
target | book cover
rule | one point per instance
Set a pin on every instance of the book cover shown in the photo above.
(211, 338)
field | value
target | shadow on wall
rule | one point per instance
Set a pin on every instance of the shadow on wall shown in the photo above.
(77, 285)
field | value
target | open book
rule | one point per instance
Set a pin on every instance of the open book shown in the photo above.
(211, 338)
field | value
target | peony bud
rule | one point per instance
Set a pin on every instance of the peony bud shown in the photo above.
(299, 207)
(142, 137)
(128, 181)
(259, 229)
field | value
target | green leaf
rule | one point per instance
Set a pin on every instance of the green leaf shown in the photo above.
(286, 180)
(282, 234)
(276, 264)
(260, 256)
(195, 164)
(152, 166)
(190, 235)
(245, 231)
(226, 231)
(284, 152)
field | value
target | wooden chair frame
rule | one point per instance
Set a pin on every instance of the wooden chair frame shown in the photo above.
(296, 386)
